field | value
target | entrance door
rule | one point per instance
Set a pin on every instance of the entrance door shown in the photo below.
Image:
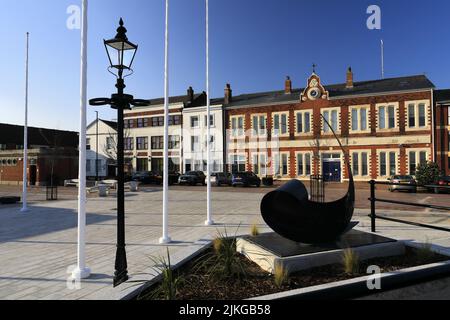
(33, 175)
(332, 171)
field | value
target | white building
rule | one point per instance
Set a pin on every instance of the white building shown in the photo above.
(105, 132)
(144, 135)
(195, 135)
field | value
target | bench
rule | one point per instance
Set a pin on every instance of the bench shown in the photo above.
(71, 183)
(9, 200)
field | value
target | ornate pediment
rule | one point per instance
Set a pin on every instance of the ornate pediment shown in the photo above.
(314, 90)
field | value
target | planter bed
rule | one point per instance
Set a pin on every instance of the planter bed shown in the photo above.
(195, 285)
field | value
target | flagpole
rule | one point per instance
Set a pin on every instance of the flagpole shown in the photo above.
(209, 221)
(165, 237)
(382, 59)
(25, 134)
(82, 272)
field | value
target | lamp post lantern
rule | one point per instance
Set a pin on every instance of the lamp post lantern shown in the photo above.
(121, 53)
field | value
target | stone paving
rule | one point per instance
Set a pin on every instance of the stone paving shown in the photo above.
(37, 248)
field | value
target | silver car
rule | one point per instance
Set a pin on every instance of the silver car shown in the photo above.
(403, 183)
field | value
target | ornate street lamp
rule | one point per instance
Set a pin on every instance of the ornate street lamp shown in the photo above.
(121, 53)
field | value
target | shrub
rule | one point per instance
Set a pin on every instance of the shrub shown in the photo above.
(427, 173)
(350, 262)
(170, 282)
(281, 275)
(254, 231)
(224, 262)
(425, 252)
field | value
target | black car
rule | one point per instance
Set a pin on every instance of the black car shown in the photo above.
(245, 179)
(154, 177)
(223, 178)
(193, 178)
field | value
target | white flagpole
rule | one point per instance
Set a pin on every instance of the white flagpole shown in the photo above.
(382, 59)
(82, 272)
(25, 135)
(165, 237)
(209, 221)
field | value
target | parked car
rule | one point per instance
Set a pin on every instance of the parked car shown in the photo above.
(443, 181)
(404, 183)
(193, 178)
(154, 177)
(223, 178)
(245, 179)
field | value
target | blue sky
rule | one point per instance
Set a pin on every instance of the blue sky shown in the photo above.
(254, 45)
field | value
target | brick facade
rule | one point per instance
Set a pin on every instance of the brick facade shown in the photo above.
(401, 140)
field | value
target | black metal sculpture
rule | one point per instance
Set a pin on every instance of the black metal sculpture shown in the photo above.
(290, 213)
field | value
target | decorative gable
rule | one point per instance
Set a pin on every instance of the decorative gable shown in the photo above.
(314, 90)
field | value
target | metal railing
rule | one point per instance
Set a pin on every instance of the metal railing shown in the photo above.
(373, 200)
(317, 186)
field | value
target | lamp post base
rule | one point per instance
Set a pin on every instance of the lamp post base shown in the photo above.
(165, 240)
(81, 273)
(209, 223)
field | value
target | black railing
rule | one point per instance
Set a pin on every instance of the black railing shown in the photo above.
(317, 186)
(373, 200)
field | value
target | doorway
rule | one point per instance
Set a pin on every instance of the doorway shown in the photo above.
(331, 164)
(33, 175)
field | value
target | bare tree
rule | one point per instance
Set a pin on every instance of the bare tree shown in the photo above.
(53, 139)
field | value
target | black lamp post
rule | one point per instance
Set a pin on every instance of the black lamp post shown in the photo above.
(121, 53)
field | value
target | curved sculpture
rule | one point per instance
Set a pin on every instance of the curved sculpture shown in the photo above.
(290, 213)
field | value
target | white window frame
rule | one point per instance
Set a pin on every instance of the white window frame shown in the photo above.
(360, 163)
(358, 109)
(388, 161)
(258, 132)
(417, 152)
(236, 132)
(330, 112)
(303, 173)
(302, 114)
(191, 123)
(277, 158)
(279, 133)
(195, 145)
(386, 116)
(417, 105)
(263, 169)
(213, 142)
(213, 120)
(239, 155)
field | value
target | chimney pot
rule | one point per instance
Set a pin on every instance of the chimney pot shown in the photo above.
(349, 84)
(288, 85)
(190, 94)
(228, 94)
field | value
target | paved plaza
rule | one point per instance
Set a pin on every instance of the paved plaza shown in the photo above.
(38, 248)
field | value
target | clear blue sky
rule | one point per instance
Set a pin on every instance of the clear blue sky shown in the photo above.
(254, 45)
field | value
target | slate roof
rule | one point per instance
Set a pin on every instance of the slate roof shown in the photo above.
(13, 134)
(112, 124)
(410, 83)
(442, 96)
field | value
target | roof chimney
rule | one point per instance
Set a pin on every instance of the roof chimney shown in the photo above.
(349, 78)
(228, 94)
(190, 94)
(288, 86)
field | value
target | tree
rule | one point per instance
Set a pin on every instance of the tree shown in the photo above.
(427, 173)
(110, 147)
(54, 140)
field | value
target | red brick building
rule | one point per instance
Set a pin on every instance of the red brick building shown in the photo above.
(387, 126)
(52, 153)
(442, 130)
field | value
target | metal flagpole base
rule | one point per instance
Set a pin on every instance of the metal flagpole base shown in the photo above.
(166, 240)
(81, 273)
(24, 210)
(209, 223)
